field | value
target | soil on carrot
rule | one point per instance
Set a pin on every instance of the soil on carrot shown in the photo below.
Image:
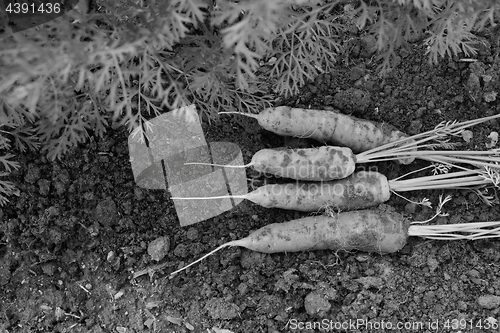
(84, 249)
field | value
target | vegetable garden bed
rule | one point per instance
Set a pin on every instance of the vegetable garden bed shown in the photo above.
(75, 243)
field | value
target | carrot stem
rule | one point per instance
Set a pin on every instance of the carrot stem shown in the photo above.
(476, 230)
(434, 177)
(448, 129)
(465, 179)
(406, 147)
(446, 157)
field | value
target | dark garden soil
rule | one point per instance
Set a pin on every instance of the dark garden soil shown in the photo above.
(74, 245)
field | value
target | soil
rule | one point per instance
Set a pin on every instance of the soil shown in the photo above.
(74, 245)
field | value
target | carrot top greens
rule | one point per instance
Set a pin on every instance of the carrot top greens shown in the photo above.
(423, 146)
(480, 180)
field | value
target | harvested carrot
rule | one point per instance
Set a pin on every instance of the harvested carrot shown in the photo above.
(379, 231)
(326, 126)
(305, 163)
(368, 230)
(310, 164)
(361, 190)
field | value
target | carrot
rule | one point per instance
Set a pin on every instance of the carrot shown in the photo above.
(326, 126)
(379, 231)
(306, 163)
(361, 190)
(310, 164)
(368, 230)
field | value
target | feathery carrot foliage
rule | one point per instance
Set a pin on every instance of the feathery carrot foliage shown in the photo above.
(134, 59)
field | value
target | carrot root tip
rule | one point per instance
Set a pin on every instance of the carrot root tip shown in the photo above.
(228, 244)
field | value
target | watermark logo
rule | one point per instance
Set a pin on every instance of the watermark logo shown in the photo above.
(159, 162)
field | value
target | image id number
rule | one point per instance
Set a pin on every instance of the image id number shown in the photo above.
(464, 324)
(31, 8)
